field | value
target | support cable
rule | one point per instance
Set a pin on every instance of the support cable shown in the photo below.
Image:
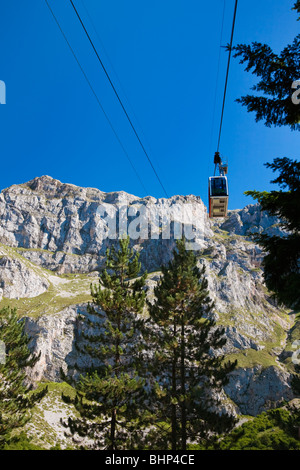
(118, 97)
(227, 73)
(110, 62)
(95, 95)
(217, 78)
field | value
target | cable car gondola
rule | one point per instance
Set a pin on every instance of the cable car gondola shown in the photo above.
(218, 190)
(218, 185)
(218, 196)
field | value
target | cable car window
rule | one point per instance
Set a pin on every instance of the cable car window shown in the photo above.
(218, 187)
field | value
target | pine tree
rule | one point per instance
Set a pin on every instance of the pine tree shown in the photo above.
(277, 73)
(281, 261)
(109, 395)
(181, 337)
(15, 400)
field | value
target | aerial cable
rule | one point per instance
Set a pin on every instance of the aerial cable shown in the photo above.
(105, 52)
(111, 65)
(95, 95)
(227, 73)
(118, 97)
(217, 77)
(218, 185)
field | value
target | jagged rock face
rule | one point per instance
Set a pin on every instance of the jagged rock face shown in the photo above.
(53, 337)
(18, 281)
(251, 220)
(48, 215)
(57, 337)
(66, 229)
(64, 220)
(255, 390)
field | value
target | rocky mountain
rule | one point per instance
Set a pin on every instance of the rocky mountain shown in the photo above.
(53, 238)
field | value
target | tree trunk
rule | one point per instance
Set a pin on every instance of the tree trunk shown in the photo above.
(173, 406)
(113, 430)
(183, 387)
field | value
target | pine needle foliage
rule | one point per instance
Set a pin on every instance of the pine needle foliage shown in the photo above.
(272, 102)
(281, 262)
(15, 399)
(276, 107)
(110, 392)
(186, 375)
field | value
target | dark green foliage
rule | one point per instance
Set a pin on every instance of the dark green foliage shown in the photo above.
(297, 6)
(180, 338)
(281, 263)
(21, 442)
(283, 204)
(296, 381)
(276, 73)
(111, 391)
(272, 430)
(15, 399)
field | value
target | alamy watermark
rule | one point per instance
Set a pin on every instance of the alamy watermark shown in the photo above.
(151, 221)
(2, 92)
(296, 94)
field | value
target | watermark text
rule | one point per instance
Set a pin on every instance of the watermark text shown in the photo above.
(151, 221)
(296, 94)
(2, 92)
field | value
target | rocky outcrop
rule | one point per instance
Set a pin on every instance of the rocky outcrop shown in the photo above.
(53, 338)
(63, 263)
(251, 220)
(258, 389)
(18, 281)
(45, 214)
(49, 230)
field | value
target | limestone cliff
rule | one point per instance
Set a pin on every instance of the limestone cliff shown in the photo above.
(53, 238)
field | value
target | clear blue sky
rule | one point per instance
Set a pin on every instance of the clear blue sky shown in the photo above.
(162, 57)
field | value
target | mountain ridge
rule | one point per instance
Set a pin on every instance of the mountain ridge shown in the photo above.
(52, 246)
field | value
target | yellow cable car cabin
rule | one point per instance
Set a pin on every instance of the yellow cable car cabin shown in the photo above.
(218, 196)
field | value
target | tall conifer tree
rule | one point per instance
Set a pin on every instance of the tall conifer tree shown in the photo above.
(15, 400)
(275, 106)
(272, 102)
(181, 337)
(110, 394)
(281, 261)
